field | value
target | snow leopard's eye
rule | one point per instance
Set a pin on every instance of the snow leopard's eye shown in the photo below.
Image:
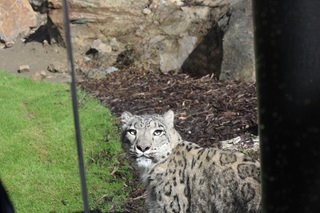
(132, 131)
(158, 132)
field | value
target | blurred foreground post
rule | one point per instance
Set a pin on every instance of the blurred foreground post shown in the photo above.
(287, 39)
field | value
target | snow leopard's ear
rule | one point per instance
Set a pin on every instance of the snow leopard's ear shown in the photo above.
(125, 119)
(169, 118)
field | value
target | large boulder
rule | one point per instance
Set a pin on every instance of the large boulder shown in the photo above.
(238, 45)
(16, 18)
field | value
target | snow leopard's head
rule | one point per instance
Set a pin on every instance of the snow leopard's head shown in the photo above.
(148, 139)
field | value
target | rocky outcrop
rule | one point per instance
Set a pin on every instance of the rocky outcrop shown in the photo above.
(98, 19)
(176, 36)
(16, 18)
(110, 23)
(200, 38)
(197, 37)
(227, 49)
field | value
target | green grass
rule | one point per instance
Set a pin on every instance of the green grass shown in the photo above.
(38, 157)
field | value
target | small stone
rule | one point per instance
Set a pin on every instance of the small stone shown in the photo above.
(114, 44)
(100, 47)
(53, 41)
(154, 5)
(43, 73)
(146, 11)
(24, 68)
(57, 68)
(96, 74)
(9, 44)
(39, 76)
(45, 43)
(51, 68)
(111, 69)
(236, 140)
(86, 59)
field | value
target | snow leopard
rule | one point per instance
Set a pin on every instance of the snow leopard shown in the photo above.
(181, 176)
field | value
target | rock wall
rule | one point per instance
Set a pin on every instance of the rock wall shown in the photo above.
(16, 18)
(198, 37)
(227, 49)
(98, 19)
(207, 57)
(172, 33)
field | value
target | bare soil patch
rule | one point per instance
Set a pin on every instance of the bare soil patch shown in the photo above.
(37, 56)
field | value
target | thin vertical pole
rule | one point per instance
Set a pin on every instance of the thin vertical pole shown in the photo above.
(75, 108)
(287, 41)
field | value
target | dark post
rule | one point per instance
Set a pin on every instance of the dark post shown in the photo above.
(287, 39)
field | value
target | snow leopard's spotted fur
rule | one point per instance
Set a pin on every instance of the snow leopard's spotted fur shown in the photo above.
(183, 177)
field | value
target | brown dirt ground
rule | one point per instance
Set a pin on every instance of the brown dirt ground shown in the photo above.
(37, 56)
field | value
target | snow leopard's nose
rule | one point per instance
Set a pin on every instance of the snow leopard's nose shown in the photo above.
(143, 148)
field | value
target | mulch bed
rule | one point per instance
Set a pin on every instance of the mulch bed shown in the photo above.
(206, 111)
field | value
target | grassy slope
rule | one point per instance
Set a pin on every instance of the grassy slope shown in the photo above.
(38, 158)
